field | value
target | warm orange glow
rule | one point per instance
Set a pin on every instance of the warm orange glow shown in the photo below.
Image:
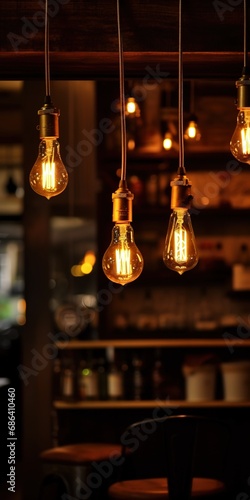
(76, 271)
(86, 268)
(90, 257)
(192, 131)
(131, 105)
(21, 306)
(167, 141)
(131, 144)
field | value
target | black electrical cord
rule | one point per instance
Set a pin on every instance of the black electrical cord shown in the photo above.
(46, 52)
(245, 69)
(122, 99)
(181, 169)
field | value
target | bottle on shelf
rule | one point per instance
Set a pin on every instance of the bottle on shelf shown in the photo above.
(126, 377)
(102, 378)
(158, 377)
(115, 383)
(68, 380)
(241, 270)
(88, 387)
(138, 386)
(57, 375)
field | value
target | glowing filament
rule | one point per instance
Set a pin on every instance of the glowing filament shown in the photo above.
(123, 263)
(131, 107)
(192, 130)
(48, 175)
(167, 141)
(245, 140)
(180, 244)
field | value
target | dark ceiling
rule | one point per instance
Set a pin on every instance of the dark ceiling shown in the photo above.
(83, 38)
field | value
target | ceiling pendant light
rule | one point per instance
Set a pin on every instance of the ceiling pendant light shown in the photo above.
(240, 142)
(122, 262)
(180, 253)
(132, 108)
(167, 142)
(192, 132)
(48, 176)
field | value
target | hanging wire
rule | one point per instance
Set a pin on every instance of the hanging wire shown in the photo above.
(245, 36)
(46, 52)
(181, 169)
(122, 99)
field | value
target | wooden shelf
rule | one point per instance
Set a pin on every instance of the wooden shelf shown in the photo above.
(163, 276)
(88, 405)
(150, 343)
(144, 161)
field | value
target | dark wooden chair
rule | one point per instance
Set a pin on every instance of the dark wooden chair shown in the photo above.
(82, 470)
(176, 458)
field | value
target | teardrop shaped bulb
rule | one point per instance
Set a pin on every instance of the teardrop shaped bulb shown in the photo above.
(48, 177)
(180, 253)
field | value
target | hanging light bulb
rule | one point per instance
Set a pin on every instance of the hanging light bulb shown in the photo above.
(240, 142)
(48, 176)
(132, 108)
(180, 253)
(122, 261)
(192, 132)
(167, 141)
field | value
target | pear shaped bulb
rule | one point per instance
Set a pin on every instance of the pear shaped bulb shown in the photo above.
(240, 142)
(122, 262)
(48, 177)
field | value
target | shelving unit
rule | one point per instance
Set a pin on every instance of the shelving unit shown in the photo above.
(173, 343)
(175, 404)
(149, 343)
(218, 220)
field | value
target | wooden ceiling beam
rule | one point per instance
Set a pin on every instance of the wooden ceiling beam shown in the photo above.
(97, 65)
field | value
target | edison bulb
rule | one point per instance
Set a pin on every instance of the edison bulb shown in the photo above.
(122, 262)
(180, 253)
(48, 177)
(167, 141)
(240, 142)
(192, 131)
(132, 108)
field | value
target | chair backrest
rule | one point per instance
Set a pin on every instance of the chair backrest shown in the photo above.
(176, 447)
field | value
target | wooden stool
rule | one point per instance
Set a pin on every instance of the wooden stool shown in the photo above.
(78, 470)
(157, 488)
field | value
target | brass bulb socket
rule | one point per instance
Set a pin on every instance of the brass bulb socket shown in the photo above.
(243, 92)
(49, 121)
(181, 193)
(122, 205)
